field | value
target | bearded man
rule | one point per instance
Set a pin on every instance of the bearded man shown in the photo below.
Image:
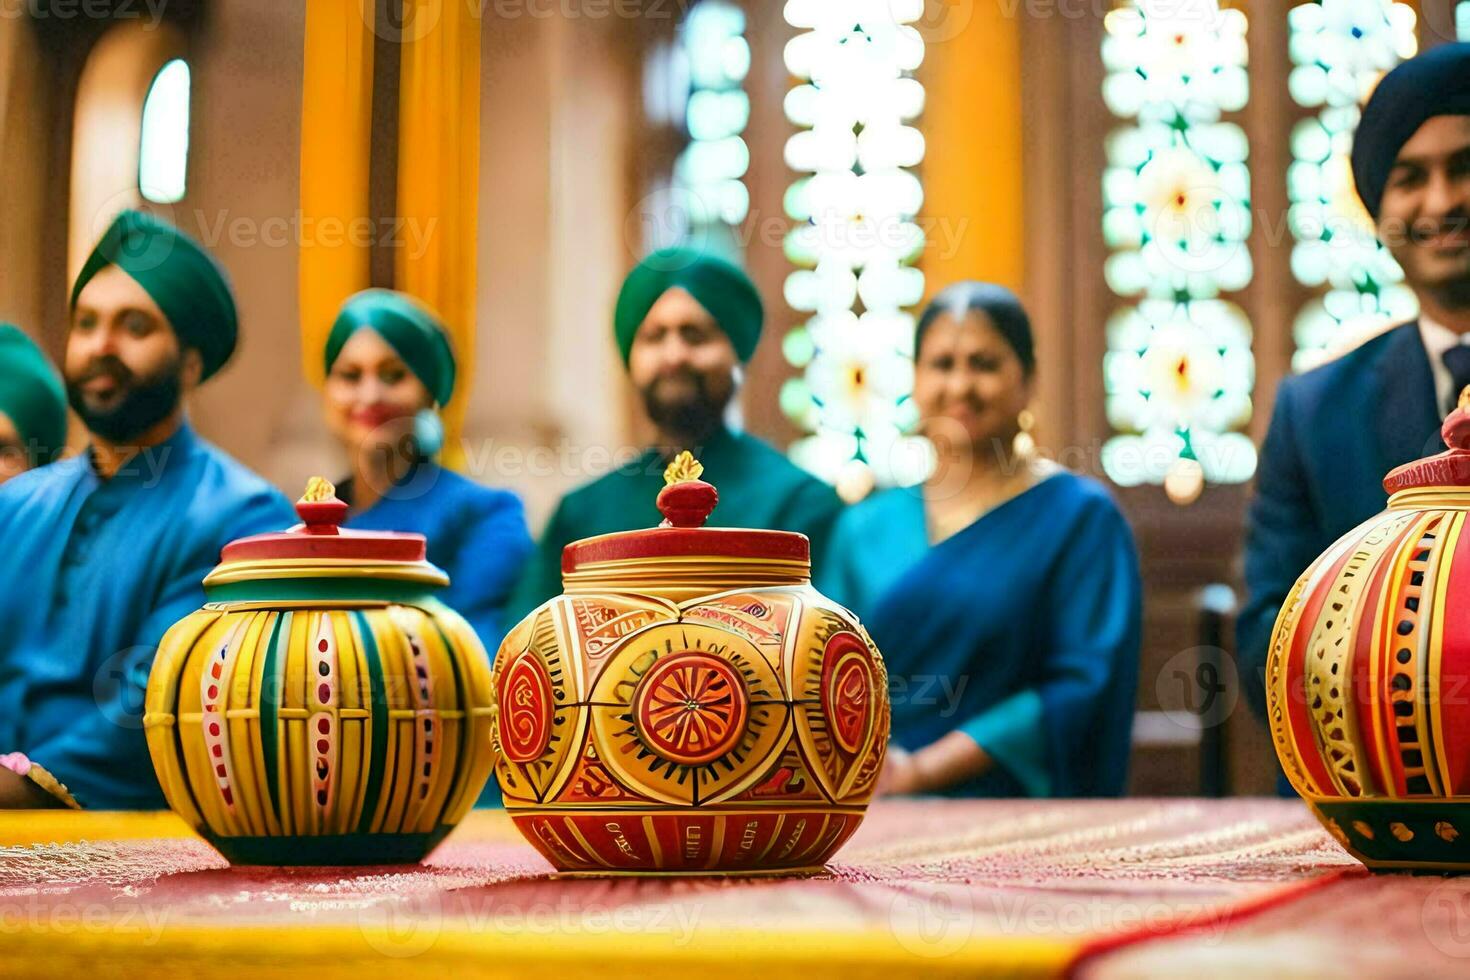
(684, 321)
(104, 551)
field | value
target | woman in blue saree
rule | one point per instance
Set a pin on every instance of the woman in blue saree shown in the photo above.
(1004, 593)
(389, 366)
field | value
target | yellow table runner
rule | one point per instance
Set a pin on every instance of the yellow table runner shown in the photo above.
(946, 887)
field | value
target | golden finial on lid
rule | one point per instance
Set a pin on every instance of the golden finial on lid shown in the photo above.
(319, 509)
(683, 469)
(1464, 397)
(318, 489)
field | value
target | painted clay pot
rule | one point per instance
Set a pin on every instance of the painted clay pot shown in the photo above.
(323, 707)
(1368, 674)
(689, 704)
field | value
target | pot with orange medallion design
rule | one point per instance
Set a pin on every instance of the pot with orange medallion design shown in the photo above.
(323, 707)
(689, 704)
(1368, 673)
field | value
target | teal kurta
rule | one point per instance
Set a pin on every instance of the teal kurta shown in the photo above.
(1021, 630)
(94, 573)
(758, 487)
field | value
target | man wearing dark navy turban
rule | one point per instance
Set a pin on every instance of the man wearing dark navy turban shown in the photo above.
(684, 322)
(106, 550)
(1337, 429)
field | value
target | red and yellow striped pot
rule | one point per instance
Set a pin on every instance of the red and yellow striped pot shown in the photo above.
(323, 707)
(690, 704)
(1368, 674)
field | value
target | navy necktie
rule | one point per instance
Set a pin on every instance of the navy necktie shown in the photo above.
(1457, 359)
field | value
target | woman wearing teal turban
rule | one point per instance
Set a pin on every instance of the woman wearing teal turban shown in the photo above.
(32, 405)
(389, 369)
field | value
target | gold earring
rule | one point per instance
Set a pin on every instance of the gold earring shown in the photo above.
(1024, 446)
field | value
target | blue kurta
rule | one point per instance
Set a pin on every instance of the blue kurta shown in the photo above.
(93, 573)
(1022, 631)
(476, 534)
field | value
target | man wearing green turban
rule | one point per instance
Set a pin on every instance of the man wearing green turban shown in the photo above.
(685, 321)
(32, 405)
(104, 551)
(188, 286)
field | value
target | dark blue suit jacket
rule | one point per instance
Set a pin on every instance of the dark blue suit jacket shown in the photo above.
(1336, 431)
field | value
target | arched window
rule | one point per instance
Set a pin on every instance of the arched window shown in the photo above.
(133, 90)
(163, 148)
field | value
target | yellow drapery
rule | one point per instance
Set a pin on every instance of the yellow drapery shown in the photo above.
(438, 168)
(972, 129)
(336, 132)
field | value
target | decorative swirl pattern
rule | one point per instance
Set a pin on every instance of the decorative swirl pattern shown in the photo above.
(847, 692)
(525, 709)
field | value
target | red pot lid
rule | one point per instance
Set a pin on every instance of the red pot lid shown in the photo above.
(686, 502)
(321, 536)
(1450, 468)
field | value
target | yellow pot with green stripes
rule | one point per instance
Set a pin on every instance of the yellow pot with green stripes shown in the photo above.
(323, 707)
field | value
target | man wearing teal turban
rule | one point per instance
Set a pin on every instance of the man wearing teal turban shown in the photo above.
(685, 321)
(106, 550)
(32, 405)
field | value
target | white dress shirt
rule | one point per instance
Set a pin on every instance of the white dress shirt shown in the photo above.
(1438, 339)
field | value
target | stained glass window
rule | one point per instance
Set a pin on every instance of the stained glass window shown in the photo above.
(1339, 50)
(854, 239)
(694, 84)
(1178, 372)
(163, 149)
(708, 174)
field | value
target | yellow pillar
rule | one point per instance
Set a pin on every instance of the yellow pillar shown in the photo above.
(972, 211)
(336, 131)
(438, 170)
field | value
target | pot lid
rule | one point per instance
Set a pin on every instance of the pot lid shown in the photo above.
(319, 547)
(686, 502)
(1449, 469)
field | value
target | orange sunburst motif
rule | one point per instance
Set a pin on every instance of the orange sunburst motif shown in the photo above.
(691, 708)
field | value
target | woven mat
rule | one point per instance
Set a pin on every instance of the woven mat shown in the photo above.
(953, 887)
